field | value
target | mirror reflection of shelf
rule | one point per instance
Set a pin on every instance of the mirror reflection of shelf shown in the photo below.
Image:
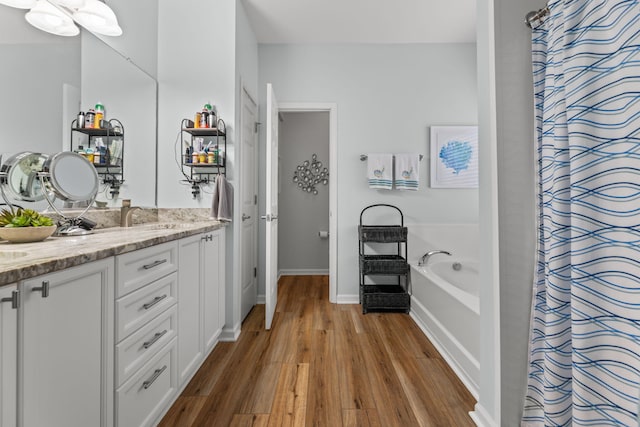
(109, 163)
(205, 131)
(98, 132)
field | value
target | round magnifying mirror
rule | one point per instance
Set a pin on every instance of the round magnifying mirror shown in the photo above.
(71, 177)
(21, 171)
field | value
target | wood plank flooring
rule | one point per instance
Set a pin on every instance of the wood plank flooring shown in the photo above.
(323, 365)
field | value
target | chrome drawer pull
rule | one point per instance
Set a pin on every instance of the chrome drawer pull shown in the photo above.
(156, 300)
(14, 299)
(155, 338)
(154, 264)
(44, 289)
(154, 377)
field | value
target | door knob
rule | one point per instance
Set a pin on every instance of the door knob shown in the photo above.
(245, 217)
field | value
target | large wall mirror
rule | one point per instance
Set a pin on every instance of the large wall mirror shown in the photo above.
(46, 80)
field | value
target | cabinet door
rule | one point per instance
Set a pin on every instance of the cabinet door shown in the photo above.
(213, 287)
(67, 340)
(8, 355)
(190, 350)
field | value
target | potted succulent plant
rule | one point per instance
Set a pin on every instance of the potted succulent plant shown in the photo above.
(25, 225)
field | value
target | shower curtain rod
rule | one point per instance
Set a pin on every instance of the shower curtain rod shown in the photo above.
(535, 16)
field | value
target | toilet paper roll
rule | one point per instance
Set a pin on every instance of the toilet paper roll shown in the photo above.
(323, 234)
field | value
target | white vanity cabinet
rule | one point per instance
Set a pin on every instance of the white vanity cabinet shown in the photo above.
(110, 342)
(9, 298)
(65, 342)
(213, 287)
(146, 328)
(201, 302)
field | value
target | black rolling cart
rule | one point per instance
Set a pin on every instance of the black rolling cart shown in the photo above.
(384, 278)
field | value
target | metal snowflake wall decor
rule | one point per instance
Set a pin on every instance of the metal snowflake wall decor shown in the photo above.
(308, 174)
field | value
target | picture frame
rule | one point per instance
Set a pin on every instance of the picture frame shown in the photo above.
(454, 157)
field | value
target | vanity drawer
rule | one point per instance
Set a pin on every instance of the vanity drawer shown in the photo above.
(141, 399)
(138, 268)
(139, 307)
(139, 347)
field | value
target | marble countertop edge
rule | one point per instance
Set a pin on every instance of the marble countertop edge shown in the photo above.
(20, 261)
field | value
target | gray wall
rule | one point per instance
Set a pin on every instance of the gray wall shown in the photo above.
(516, 197)
(387, 96)
(301, 214)
(32, 94)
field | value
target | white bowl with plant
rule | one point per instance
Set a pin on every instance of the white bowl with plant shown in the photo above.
(25, 225)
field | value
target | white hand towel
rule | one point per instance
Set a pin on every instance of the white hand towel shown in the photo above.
(222, 205)
(407, 171)
(379, 171)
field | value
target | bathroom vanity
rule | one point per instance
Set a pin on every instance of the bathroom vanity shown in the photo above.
(107, 329)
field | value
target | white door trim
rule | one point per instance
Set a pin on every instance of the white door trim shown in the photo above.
(332, 108)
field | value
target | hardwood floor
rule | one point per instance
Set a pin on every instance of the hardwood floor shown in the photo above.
(323, 365)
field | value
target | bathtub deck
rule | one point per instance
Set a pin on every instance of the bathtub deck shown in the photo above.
(323, 365)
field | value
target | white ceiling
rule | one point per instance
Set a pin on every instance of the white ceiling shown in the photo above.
(363, 21)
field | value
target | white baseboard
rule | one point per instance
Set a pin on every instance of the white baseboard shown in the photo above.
(261, 299)
(230, 334)
(481, 417)
(305, 272)
(348, 299)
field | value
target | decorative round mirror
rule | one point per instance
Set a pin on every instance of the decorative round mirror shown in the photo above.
(71, 177)
(20, 176)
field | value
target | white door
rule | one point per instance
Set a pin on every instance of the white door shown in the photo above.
(249, 205)
(190, 348)
(271, 249)
(8, 355)
(67, 327)
(213, 287)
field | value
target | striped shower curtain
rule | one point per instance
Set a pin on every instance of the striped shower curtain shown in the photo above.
(584, 351)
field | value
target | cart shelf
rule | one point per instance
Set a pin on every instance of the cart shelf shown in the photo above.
(382, 297)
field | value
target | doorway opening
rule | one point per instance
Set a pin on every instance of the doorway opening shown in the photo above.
(309, 247)
(303, 196)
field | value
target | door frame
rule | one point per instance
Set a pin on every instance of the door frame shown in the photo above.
(243, 91)
(332, 109)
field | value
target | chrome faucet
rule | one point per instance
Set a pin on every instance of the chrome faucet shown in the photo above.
(425, 257)
(126, 211)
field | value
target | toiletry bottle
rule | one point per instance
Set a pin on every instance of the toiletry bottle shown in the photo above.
(204, 118)
(97, 157)
(212, 115)
(80, 121)
(89, 119)
(99, 115)
(196, 122)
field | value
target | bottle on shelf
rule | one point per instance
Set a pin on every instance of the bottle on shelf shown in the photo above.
(80, 121)
(211, 120)
(90, 119)
(196, 122)
(99, 111)
(204, 118)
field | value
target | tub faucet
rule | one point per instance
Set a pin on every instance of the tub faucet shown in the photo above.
(126, 211)
(425, 257)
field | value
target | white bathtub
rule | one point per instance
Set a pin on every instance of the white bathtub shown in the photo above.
(446, 306)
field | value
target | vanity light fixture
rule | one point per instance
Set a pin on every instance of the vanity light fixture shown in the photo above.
(58, 16)
(19, 4)
(46, 17)
(97, 17)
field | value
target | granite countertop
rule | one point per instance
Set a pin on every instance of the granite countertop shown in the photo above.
(20, 261)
